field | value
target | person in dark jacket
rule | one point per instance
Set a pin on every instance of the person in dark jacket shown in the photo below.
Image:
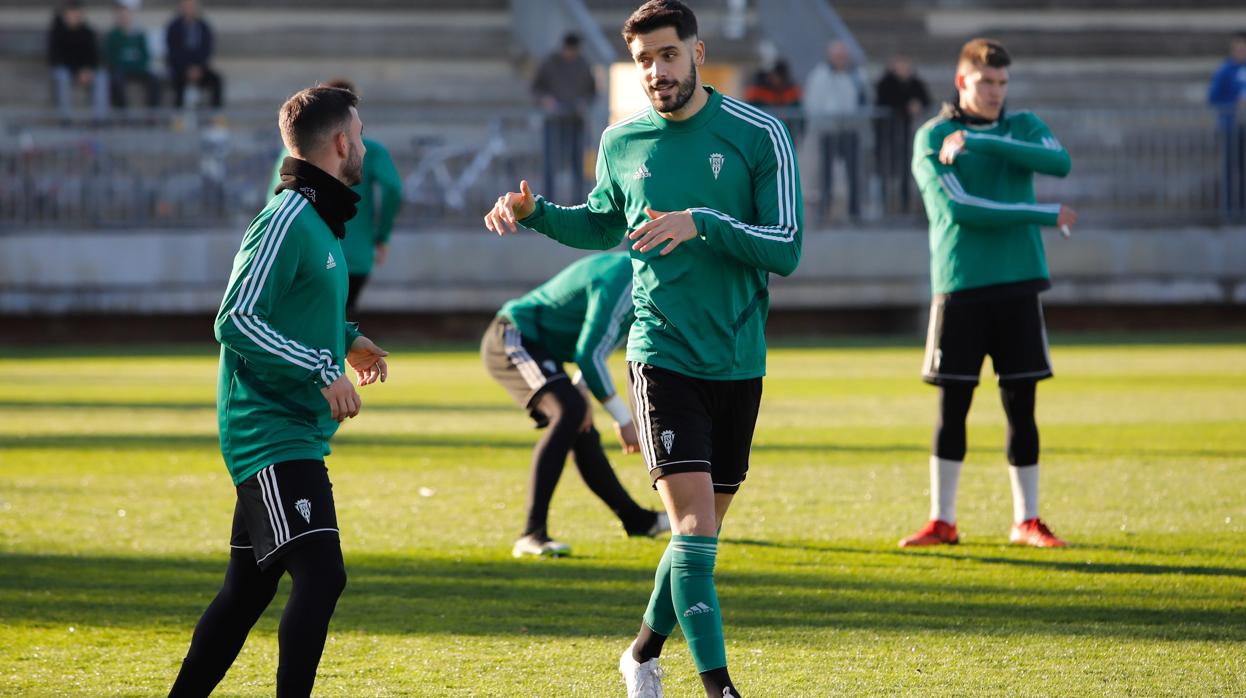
(189, 41)
(73, 55)
(565, 88)
(903, 99)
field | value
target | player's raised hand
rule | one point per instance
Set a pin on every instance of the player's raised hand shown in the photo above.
(368, 360)
(675, 227)
(343, 401)
(953, 145)
(509, 209)
(627, 437)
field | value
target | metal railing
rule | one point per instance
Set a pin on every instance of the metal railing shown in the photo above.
(1150, 167)
(1153, 167)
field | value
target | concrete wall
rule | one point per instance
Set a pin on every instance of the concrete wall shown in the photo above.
(52, 272)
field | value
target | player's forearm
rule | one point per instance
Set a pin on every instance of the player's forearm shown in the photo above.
(574, 226)
(351, 333)
(775, 249)
(1049, 158)
(979, 215)
(252, 338)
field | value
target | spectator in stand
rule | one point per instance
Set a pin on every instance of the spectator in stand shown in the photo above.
(1228, 96)
(129, 59)
(565, 89)
(835, 99)
(904, 99)
(189, 40)
(73, 55)
(774, 91)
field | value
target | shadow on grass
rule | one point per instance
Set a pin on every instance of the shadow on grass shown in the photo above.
(1057, 565)
(580, 598)
(176, 442)
(446, 408)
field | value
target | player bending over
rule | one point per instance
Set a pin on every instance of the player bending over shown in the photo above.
(580, 315)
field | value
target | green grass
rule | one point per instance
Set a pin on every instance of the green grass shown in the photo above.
(115, 512)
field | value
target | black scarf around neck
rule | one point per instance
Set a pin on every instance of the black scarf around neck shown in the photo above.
(951, 110)
(334, 201)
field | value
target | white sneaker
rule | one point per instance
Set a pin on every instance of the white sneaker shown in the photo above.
(540, 547)
(643, 679)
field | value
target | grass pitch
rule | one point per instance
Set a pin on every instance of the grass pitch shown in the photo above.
(115, 513)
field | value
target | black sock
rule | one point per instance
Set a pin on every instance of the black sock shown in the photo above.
(318, 578)
(595, 469)
(648, 644)
(715, 680)
(223, 628)
(564, 406)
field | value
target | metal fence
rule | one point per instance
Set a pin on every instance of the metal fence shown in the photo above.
(1153, 167)
(1137, 167)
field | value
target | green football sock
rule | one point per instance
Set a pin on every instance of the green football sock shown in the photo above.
(660, 615)
(696, 601)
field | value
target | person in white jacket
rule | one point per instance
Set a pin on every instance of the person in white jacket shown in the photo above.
(835, 101)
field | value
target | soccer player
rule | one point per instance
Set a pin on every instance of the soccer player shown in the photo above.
(580, 315)
(707, 190)
(975, 166)
(281, 396)
(367, 234)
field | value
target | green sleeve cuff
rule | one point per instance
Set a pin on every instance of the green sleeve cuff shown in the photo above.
(537, 214)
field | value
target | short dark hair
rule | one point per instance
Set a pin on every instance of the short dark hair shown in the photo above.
(310, 115)
(571, 40)
(342, 84)
(657, 14)
(983, 53)
(1239, 36)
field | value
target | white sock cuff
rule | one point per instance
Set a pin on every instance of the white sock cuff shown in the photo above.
(1024, 482)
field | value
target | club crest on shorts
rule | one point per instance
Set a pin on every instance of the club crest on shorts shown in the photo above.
(304, 508)
(716, 163)
(668, 441)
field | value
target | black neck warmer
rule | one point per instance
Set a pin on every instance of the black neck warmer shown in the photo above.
(334, 201)
(951, 110)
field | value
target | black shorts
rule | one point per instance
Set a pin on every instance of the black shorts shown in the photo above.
(281, 506)
(521, 366)
(1010, 330)
(694, 425)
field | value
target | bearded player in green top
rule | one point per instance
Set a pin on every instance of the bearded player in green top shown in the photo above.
(975, 166)
(707, 190)
(281, 393)
(380, 197)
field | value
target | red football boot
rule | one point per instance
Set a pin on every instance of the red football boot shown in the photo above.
(1034, 532)
(935, 532)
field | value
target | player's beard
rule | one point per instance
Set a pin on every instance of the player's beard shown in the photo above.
(352, 167)
(677, 101)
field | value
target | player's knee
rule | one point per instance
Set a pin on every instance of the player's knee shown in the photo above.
(1023, 443)
(335, 580)
(563, 404)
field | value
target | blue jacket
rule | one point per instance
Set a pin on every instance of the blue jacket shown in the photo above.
(1228, 88)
